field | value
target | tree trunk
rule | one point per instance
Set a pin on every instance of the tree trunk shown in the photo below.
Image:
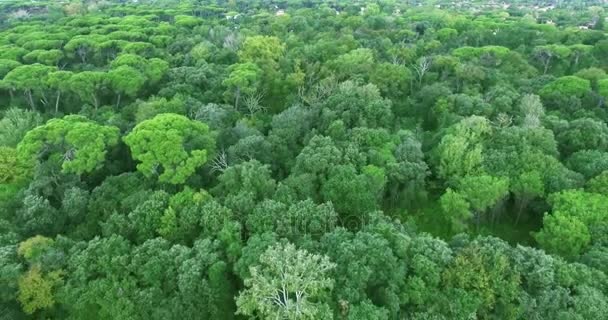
(82, 53)
(95, 101)
(118, 100)
(57, 101)
(44, 100)
(547, 63)
(523, 202)
(497, 211)
(30, 99)
(237, 98)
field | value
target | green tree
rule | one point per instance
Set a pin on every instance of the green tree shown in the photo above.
(82, 47)
(525, 188)
(568, 229)
(261, 49)
(357, 106)
(15, 123)
(582, 134)
(46, 57)
(243, 185)
(154, 106)
(36, 289)
(171, 146)
(603, 89)
(88, 85)
(32, 248)
(369, 267)
(589, 163)
(243, 80)
(6, 65)
(486, 280)
(367, 310)
(563, 234)
(288, 283)
(221, 302)
(599, 183)
(125, 80)
(460, 151)
(294, 222)
(352, 193)
(78, 143)
(548, 54)
(145, 220)
(31, 79)
(355, 65)
(456, 207)
(569, 86)
(60, 81)
(483, 192)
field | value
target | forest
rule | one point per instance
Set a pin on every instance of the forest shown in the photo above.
(303, 159)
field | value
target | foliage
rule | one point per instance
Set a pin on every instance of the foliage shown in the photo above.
(287, 284)
(80, 143)
(170, 146)
(303, 160)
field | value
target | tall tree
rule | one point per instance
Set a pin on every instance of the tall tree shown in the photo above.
(79, 144)
(288, 283)
(171, 147)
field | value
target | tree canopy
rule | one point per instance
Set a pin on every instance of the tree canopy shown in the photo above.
(303, 159)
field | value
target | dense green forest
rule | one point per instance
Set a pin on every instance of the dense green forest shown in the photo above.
(303, 159)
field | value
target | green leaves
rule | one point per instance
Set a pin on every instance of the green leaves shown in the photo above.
(483, 191)
(569, 86)
(457, 210)
(37, 286)
(599, 184)
(460, 151)
(244, 79)
(299, 220)
(152, 69)
(244, 76)
(355, 65)
(288, 283)
(87, 86)
(36, 289)
(330, 138)
(28, 77)
(15, 124)
(567, 230)
(352, 193)
(79, 143)
(32, 248)
(563, 234)
(171, 147)
(6, 65)
(126, 80)
(486, 280)
(111, 278)
(31, 79)
(357, 106)
(47, 57)
(261, 49)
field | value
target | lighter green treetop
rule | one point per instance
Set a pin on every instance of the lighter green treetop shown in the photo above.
(287, 284)
(81, 143)
(171, 146)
